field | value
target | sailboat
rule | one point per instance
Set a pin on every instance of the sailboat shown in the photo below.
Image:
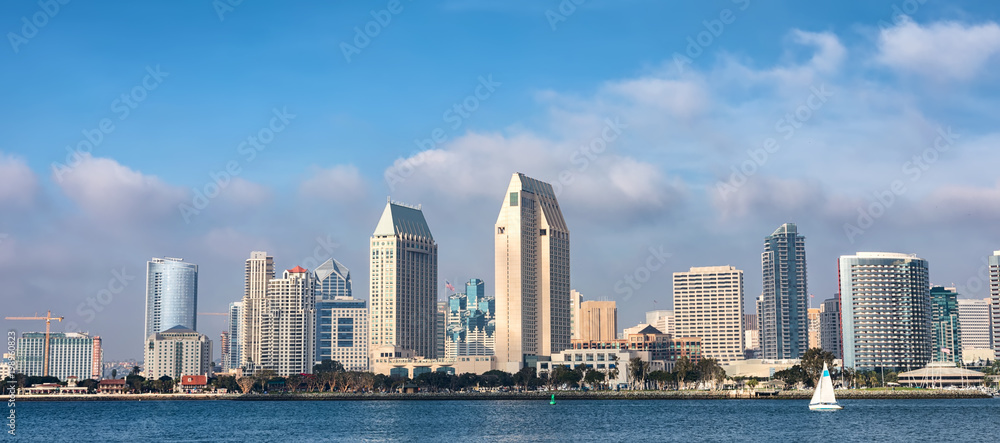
(823, 399)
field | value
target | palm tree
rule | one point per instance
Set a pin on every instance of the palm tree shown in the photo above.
(637, 370)
(613, 371)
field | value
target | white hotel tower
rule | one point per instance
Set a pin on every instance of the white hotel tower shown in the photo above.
(532, 274)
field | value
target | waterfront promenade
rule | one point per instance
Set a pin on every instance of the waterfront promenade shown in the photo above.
(852, 394)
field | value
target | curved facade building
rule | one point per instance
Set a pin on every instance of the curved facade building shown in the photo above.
(886, 311)
(171, 295)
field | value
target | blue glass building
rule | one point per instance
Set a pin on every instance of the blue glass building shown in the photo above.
(471, 322)
(171, 295)
(341, 320)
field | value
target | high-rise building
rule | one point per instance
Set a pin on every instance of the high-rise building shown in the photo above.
(662, 320)
(175, 352)
(341, 320)
(287, 343)
(708, 303)
(71, 354)
(829, 325)
(171, 295)
(750, 322)
(342, 332)
(440, 328)
(404, 269)
(946, 335)
(225, 347)
(994, 262)
(471, 328)
(784, 317)
(598, 320)
(885, 311)
(815, 329)
(259, 271)
(232, 357)
(974, 318)
(532, 274)
(575, 300)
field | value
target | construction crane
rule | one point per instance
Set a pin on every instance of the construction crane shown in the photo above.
(48, 320)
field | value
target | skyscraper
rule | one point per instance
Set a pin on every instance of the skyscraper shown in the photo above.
(532, 274)
(71, 354)
(471, 328)
(974, 318)
(598, 321)
(994, 262)
(815, 328)
(259, 270)
(575, 300)
(946, 335)
(885, 311)
(829, 325)
(404, 269)
(171, 295)
(234, 358)
(784, 317)
(287, 341)
(341, 320)
(708, 303)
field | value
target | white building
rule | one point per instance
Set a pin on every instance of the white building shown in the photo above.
(232, 357)
(662, 320)
(994, 261)
(974, 319)
(708, 303)
(71, 354)
(575, 303)
(404, 269)
(287, 343)
(603, 360)
(532, 266)
(175, 352)
(259, 271)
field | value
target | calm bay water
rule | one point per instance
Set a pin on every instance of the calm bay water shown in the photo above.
(454, 421)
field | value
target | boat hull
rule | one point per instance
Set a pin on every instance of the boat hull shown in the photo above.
(825, 407)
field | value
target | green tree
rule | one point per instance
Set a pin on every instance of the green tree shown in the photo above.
(556, 375)
(792, 376)
(812, 363)
(328, 366)
(525, 377)
(114, 373)
(166, 384)
(682, 367)
(612, 370)
(752, 383)
(637, 371)
(594, 378)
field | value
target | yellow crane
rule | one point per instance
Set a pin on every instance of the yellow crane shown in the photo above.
(48, 320)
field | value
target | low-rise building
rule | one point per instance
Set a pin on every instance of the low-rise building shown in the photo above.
(941, 374)
(112, 386)
(760, 368)
(192, 383)
(399, 362)
(176, 352)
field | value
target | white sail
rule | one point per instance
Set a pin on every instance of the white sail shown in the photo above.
(824, 389)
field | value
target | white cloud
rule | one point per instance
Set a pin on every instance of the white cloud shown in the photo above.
(111, 192)
(338, 183)
(942, 50)
(18, 183)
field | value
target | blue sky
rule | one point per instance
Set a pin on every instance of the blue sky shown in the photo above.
(891, 85)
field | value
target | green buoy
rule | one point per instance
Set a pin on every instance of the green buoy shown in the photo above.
(553, 401)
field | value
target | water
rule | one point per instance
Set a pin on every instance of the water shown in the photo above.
(459, 421)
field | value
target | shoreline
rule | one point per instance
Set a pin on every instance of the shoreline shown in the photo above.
(855, 394)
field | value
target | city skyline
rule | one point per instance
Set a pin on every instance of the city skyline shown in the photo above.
(654, 143)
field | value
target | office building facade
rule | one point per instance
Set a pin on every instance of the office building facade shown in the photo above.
(176, 352)
(784, 319)
(71, 354)
(598, 320)
(946, 335)
(171, 295)
(885, 311)
(708, 303)
(994, 264)
(404, 269)
(232, 356)
(974, 319)
(662, 320)
(471, 328)
(829, 323)
(815, 329)
(532, 264)
(342, 332)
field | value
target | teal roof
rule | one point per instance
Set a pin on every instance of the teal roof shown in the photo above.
(399, 219)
